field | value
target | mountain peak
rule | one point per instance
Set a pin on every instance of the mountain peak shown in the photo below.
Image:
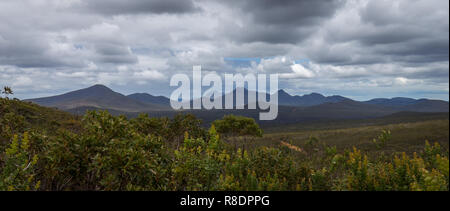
(314, 94)
(140, 94)
(99, 86)
(282, 92)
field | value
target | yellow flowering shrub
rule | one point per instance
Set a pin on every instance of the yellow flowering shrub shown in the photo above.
(19, 167)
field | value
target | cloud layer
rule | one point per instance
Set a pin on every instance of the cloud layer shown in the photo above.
(361, 49)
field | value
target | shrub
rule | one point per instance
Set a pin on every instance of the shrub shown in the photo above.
(232, 125)
(19, 166)
(382, 139)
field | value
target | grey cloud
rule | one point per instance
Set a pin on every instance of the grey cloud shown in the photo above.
(429, 49)
(119, 7)
(111, 53)
(275, 22)
(384, 32)
(31, 50)
(117, 59)
(435, 72)
(359, 46)
(389, 35)
(287, 12)
(273, 34)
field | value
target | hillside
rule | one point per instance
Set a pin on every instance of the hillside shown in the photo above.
(424, 105)
(409, 104)
(18, 116)
(148, 98)
(397, 101)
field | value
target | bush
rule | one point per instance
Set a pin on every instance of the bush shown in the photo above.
(232, 125)
(382, 139)
(172, 130)
(107, 155)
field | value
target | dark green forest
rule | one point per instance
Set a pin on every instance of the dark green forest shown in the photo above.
(47, 149)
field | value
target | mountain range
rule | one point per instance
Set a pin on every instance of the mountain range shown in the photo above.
(307, 100)
(291, 108)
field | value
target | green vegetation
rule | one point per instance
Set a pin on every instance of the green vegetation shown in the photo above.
(45, 149)
(382, 139)
(17, 117)
(232, 125)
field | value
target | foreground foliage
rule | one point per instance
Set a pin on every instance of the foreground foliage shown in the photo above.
(114, 153)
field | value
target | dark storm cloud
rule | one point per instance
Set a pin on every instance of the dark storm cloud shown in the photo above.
(286, 12)
(430, 49)
(284, 21)
(385, 32)
(30, 50)
(15, 53)
(117, 59)
(119, 7)
(272, 34)
(437, 74)
(389, 36)
(112, 53)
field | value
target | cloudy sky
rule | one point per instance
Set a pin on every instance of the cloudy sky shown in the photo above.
(359, 49)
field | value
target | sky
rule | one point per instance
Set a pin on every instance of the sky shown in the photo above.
(358, 49)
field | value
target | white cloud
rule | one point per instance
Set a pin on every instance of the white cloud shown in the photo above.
(149, 75)
(401, 81)
(298, 71)
(22, 81)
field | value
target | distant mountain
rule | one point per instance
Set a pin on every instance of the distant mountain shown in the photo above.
(409, 104)
(397, 101)
(291, 109)
(307, 100)
(347, 109)
(425, 105)
(284, 98)
(97, 96)
(233, 95)
(148, 98)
